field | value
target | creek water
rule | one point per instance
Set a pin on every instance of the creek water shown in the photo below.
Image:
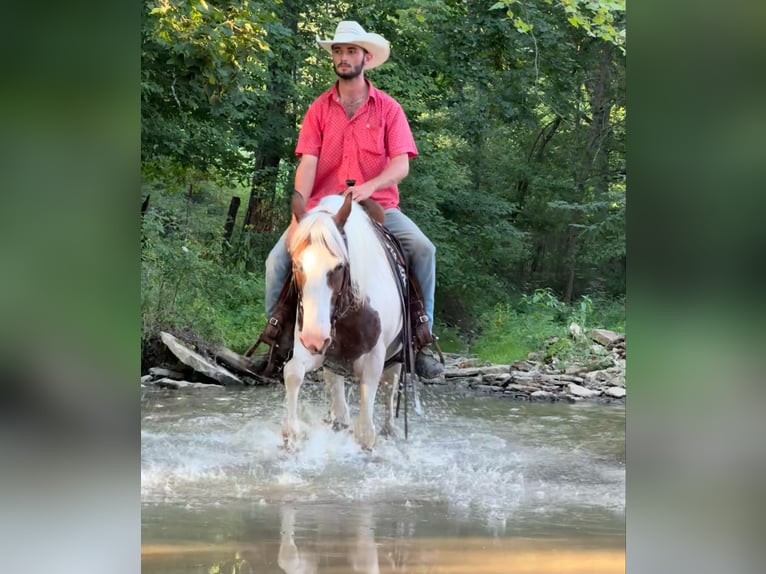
(481, 485)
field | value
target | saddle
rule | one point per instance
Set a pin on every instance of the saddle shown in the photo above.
(279, 331)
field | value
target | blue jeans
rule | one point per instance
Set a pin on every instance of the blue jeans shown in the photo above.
(420, 252)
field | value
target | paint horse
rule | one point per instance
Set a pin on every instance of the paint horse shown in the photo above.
(349, 315)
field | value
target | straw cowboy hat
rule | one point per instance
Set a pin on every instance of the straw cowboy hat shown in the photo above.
(349, 32)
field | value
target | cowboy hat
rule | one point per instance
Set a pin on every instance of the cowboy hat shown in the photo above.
(349, 32)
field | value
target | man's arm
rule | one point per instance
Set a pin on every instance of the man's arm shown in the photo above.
(304, 183)
(395, 171)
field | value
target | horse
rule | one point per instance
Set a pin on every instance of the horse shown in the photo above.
(349, 316)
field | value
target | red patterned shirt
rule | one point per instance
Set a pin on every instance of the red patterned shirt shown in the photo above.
(359, 148)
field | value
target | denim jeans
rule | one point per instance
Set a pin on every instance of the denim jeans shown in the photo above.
(420, 252)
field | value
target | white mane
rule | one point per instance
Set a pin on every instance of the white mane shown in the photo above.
(364, 252)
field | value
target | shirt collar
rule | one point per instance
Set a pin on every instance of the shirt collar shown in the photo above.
(332, 93)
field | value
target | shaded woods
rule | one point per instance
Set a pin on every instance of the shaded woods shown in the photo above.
(518, 111)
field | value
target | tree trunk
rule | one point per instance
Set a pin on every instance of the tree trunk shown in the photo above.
(592, 172)
(230, 218)
(261, 190)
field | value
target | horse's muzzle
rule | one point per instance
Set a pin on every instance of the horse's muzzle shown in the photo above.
(316, 345)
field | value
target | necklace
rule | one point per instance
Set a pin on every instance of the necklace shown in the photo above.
(351, 104)
(351, 107)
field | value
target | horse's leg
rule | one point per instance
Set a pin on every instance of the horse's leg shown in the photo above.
(369, 378)
(335, 385)
(390, 382)
(294, 371)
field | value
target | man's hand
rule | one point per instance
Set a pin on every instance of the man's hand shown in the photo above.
(298, 206)
(361, 191)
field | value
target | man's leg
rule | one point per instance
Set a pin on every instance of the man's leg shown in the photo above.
(277, 266)
(277, 269)
(421, 255)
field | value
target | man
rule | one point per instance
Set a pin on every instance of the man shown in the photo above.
(354, 131)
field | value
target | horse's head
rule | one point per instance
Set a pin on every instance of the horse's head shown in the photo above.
(321, 273)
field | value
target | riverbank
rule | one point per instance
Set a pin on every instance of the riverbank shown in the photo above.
(540, 377)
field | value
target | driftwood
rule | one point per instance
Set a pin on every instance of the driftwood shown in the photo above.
(235, 361)
(199, 363)
(234, 369)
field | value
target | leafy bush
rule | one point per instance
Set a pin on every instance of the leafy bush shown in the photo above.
(188, 283)
(540, 321)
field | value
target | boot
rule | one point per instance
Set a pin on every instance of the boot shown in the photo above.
(426, 365)
(258, 362)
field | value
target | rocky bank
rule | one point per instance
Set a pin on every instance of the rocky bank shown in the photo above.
(537, 378)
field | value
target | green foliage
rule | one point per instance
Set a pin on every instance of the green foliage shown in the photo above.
(540, 321)
(518, 111)
(603, 19)
(187, 284)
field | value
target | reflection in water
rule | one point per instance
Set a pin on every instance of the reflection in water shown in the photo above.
(362, 552)
(315, 540)
(290, 559)
(481, 486)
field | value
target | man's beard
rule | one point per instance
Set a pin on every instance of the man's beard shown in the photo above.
(350, 74)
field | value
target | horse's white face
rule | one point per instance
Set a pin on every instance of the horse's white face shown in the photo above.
(319, 278)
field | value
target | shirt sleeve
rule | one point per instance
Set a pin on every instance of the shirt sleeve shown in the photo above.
(399, 138)
(310, 136)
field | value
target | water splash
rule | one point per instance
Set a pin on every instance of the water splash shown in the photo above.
(481, 460)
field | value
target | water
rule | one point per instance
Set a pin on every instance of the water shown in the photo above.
(481, 485)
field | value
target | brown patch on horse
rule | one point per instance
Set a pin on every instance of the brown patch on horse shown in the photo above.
(356, 333)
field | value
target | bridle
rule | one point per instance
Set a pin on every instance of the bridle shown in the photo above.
(342, 301)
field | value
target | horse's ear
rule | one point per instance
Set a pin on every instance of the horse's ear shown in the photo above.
(342, 215)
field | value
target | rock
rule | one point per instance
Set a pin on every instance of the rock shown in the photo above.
(464, 363)
(571, 379)
(525, 376)
(575, 330)
(473, 382)
(543, 395)
(616, 392)
(604, 336)
(460, 373)
(175, 384)
(198, 362)
(575, 370)
(495, 369)
(489, 388)
(146, 379)
(500, 379)
(474, 371)
(579, 391)
(523, 365)
(521, 388)
(165, 373)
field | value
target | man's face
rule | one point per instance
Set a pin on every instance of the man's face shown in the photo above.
(348, 60)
